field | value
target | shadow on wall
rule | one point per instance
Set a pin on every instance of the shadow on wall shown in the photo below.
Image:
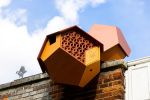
(77, 93)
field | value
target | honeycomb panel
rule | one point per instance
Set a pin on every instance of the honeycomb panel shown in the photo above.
(76, 44)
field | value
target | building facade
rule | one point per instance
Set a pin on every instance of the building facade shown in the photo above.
(118, 80)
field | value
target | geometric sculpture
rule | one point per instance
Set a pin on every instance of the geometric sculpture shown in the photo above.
(70, 56)
(115, 45)
(73, 57)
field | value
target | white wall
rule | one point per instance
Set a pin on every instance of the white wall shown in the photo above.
(138, 79)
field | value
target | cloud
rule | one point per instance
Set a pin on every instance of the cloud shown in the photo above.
(69, 13)
(69, 9)
(19, 48)
(19, 16)
(55, 24)
(97, 2)
(4, 3)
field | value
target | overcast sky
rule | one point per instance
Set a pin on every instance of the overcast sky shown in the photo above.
(25, 23)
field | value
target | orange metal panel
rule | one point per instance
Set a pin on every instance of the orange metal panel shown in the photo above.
(89, 73)
(50, 48)
(92, 55)
(114, 53)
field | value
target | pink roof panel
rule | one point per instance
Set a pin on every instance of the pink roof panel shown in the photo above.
(109, 36)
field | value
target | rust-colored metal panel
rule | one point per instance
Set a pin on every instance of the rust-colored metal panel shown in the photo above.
(71, 56)
(64, 68)
(110, 36)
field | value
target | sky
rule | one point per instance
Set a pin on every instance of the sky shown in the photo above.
(25, 23)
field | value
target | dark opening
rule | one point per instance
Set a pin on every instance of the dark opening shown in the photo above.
(52, 39)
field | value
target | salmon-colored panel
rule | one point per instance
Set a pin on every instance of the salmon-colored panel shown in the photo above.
(123, 42)
(105, 34)
(109, 36)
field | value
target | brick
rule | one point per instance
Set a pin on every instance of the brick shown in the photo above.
(104, 85)
(40, 95)
(117, 75)
(118, 92)
(112, 88)
(99, 99)
(28, 98)
(41, 91)
(107, 80)
(25, 95)
(107, 89)
(115, 82)
(111, 77)
(33, 93)
(40, 87)
(103, 95)
(29, 90)
(101, 81)
(15, 97)
(99, 91)
(109, 98)
(20, 92)
(119, 97)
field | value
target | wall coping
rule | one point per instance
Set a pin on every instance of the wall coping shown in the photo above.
(114, 63)
(25, 80)
(43, 76)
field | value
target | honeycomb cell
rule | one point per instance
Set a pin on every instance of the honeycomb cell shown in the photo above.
(75, 40)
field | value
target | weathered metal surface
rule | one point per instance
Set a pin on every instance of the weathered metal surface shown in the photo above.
(71, 57)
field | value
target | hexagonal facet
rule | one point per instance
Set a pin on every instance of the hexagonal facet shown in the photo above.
(115, 45)
(70, 57)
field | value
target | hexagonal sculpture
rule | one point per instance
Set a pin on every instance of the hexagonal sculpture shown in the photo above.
(70, 56)
(115, 45)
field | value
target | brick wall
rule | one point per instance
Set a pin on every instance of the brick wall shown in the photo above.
(107, 85)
